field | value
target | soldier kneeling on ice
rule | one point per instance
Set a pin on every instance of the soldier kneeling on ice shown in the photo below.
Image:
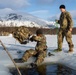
(40, 50)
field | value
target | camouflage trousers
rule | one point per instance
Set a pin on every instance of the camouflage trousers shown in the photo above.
(67, 35)
(39, 55)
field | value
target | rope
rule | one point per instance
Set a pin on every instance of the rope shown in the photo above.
(56, 25)
(10, 57)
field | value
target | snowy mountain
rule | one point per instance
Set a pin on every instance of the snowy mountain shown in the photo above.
(24, 19)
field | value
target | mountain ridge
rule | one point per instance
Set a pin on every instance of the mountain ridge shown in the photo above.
(26, 19)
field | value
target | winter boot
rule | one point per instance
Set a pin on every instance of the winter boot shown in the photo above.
(71, 48)
(57, 50)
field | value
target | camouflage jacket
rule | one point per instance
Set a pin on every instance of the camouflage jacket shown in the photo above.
(41, 42)
(65, 20)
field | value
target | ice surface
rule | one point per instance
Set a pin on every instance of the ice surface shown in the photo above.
(4, 70)
(13, 46)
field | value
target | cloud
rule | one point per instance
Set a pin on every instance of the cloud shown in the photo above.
(5, 11)
(53, 17)
(13, 4)
(41, 13)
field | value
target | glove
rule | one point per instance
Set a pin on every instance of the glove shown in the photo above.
(25, 42)
(56, 20)
(32, 38)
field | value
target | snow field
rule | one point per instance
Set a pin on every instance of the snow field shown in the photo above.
(13, 46)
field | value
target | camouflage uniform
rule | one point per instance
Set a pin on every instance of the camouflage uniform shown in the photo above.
(40, 49)
(65, 24)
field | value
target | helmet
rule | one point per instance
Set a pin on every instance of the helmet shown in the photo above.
(62, 6)
(39, 31)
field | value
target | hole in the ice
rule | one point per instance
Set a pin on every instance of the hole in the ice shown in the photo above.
(53, 69)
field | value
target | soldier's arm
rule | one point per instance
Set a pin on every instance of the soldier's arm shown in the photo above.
(35, 38)
(70, 22)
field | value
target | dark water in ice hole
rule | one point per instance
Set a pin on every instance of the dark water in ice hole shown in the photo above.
(54, 69)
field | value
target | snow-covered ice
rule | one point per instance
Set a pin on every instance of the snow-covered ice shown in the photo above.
(13, 46)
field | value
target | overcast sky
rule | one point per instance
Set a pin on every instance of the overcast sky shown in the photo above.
(45, 9)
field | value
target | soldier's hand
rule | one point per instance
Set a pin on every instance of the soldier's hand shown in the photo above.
(32, 38)
(56, 20)
(71, 29)
(25, 42)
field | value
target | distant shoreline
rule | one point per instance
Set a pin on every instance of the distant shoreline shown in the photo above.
(33, 30)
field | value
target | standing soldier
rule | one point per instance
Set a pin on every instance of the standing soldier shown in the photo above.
(66, 25)
(40, 49)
